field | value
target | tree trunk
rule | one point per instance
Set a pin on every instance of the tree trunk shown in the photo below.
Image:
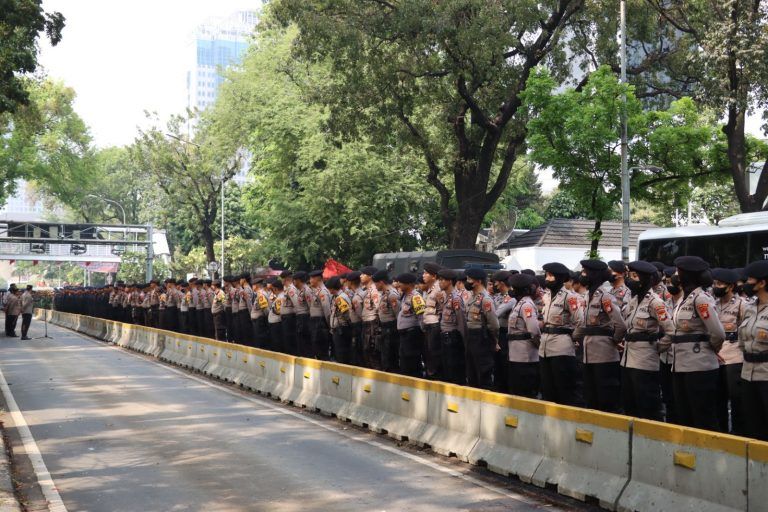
(737, 157)
(207, 235)
(597, 234)
(465, 228)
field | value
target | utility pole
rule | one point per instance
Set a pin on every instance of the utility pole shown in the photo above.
(150, 252)
(222, 230)
(624, 148)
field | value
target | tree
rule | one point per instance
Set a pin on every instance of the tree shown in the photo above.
(189, 172)
(133, 267)
(21, 22)
(715, 202)
(444, 77)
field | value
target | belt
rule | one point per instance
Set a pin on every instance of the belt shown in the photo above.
(408, 329)
(448, 334)
(556, 330)
(690, 338)
(756, 357)
(519, 336)
(731, 336)
(650, 337)
(597, 331)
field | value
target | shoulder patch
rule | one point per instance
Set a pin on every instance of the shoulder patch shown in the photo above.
(528, 311)
(573, 302)
(418, 304)
(456, 303)
(507, 298)
(487, 306)
(607, 306)
(661, 312)
(703, 310)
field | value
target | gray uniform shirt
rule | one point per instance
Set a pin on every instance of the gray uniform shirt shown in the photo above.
(603, 312)
(389, 305)
(753, 338)
(453, 316)
(523, 320)
(648, 317)
(696, 314)
(561, 311)
(434, 299)
(731, 314)
(481, 312)
(412, 306)
(27, 303)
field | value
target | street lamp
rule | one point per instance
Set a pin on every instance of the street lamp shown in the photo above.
(111, 202)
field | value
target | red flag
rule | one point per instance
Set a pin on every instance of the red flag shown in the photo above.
(334, 268)
(11, 261)
(87, 263)
(35, 262)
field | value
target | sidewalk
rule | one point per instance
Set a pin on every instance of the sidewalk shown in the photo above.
(8, 502)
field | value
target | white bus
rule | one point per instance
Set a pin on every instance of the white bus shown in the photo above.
(737, 241)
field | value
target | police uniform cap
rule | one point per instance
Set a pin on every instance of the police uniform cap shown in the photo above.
(316, 273)
(447, 273)
(596, 265)
(368, 270)
(301, 276)
(643, 267)
(725, 275)
(691, 264)
(182, 283)
(529, 271)
(245, 275)
(208, 281)
(660, 266)
(432, 268)
(758, 269)
(740, 273)
(669, 271)
(501, 275)
(286, 273)
(353, 276)
(461, 275)
(555, 268)
(406, 278)
(193, 280)
(420, 279)
(380, 276)
(273, 280)
(477, 274)
(257, 280)
(278, 284)
(521, 280)
(617, 266)
(334, 283)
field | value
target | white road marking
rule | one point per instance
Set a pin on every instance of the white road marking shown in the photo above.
(55, 504)
(348, 434)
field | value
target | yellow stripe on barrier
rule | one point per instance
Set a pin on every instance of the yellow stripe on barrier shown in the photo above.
(262, 364)
(405, 396)
(758, 451)
(453, 407)
(511, 421)
(306, 375)
(367, 388)
(685, 436)
(585, 436)
(684, 459)
(282, 369)
(335, 379)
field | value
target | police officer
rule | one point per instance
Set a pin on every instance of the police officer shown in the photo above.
(341, 321)
(753, 338)
(600, 332)
(482, 340)
(27, 308)
(244, 310)
(618, 287)
(674, 296)
(698, 336)
(319, 316)
(288, 312)
(207, 301)
(356, 293)
(730, 308)
(172, 306)
(218, 307)
(434, 299)
(259, 313)
(649, 325)
(389, 306)
(233, 306)
(412, 306)
(523, 338)
(184, 305)
(504, 304)
(370, 318)
(557, 353)
(275, 316)
(453, 326)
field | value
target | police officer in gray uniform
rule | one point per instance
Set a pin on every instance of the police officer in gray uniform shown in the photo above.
(504, 304)
(523, 338)
(753, 338)
(370, 317)
(434, 299)
(482, 340)
(453, 326)
(412, 306)
(319, 316)
(341, 321)
(303, 298)
(697, 338)
(389, 307)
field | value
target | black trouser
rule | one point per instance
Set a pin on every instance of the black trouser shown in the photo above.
(342, 344)
(26, 320)
(289, 333)
(199, 322)
(501, 364)
(411, 349)
(220, 326)
(208, 321)
(755, 403)
(558, 379)
(729, 392)
(276, 337)
(641, 393)
(246, 330)
(523, 378)
(390, 347)
(260, 331)
(230, 326)
(453, 357)
(319, 338)
(154, 316)
(667, 393)
(433, 360)
(303, 338)
(10, 324)
(602, 386)
(696, 398)
(371, 345)
(578, 376)
(184, 317)
(171, 318)
(480, 349)
(357, 344)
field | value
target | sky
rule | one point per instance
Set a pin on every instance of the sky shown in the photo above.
(123, 58)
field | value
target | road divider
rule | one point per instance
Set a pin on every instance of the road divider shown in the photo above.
(620, 462)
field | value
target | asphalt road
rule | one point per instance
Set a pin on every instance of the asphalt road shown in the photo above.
(122, 432)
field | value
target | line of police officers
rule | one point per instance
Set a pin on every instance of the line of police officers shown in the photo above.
(686, 344)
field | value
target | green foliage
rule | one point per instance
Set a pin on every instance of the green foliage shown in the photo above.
(21, 22)
(715, 201)
(133, 268)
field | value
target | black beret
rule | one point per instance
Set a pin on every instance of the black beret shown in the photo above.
(432, 268)
(757, 269)
(669, 271)
(208, 281)
(617, 266)
(380, 276)
(257, 280)
(725, 275)
(316, 273)
(475, 273)
(182, 283)
(286, 273)
(245, 275)
(273, 280)
(461, 275)
(447, 273)
(521, 280)
(554, 268)
(278, 284)
(368, 270)
(501, 275)
(597, 265)
(530, 272)
(659, 265)
(334, 283)
(643, 267)
(419, 278)
(406, 278)
(740, 273)
(691, 263)
(353, 276)
(301, 276)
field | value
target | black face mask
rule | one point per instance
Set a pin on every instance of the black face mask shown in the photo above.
(748, 289)
(739, 289)
(553, 286)
(719, 291)
(519, 293)
(673, 289)
(612, 278)
(634, 286)
(583, 280)
(675, 280)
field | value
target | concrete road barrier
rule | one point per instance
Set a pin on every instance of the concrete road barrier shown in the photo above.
(757, 476)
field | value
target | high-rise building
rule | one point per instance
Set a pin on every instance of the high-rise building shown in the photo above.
(218, 43)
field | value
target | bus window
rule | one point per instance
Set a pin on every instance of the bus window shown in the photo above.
(664, 250)
(758, 247)
(725, 251)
